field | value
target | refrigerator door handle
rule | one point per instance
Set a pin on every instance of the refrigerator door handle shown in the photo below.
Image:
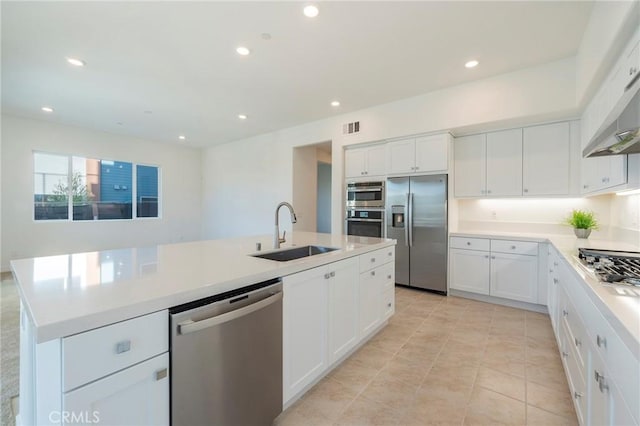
(411, 219)
(406, 222)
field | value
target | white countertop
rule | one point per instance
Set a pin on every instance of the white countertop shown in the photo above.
(622, 312)
(69, 294)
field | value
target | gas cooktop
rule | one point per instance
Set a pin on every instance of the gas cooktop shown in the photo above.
(612, 266)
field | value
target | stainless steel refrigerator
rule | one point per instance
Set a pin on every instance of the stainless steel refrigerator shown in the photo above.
(416, 210)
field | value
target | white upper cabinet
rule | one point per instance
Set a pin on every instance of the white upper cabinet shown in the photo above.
(600, 173)
(470, 166)
(545, 166)
(425, 154)
(504, 163)
(367, 161)
(489, 164)
(432, 153)
(402, 156)
(625, 70)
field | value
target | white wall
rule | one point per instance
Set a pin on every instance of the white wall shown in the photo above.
(625, 218)
(531, 215)
(262, 165)
(24, 237)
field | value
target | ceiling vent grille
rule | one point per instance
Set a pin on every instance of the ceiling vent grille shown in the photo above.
(350, 128)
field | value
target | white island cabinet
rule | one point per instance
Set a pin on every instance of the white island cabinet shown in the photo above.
(94, 348)
(116, 375)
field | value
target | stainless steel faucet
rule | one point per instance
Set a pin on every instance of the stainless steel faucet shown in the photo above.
(276, 237)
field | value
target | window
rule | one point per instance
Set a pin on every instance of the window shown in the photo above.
(50, 194)
(93, 189)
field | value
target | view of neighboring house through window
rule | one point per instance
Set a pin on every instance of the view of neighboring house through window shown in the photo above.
(147, 191)
(50, 195)
(93, 189)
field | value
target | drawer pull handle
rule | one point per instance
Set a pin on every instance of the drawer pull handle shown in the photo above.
(468, 243)
(388, 277)
(373, 273)
(577, 341)
(124, 346)
(390, 254)
(373, 260)
(555, 281)
(513, 247)
(161, 374)
(327, 276)
(602, 384)
(601, 341)
(565, 354)
(577, 395)
(333, 273)
(565, 313)
(389, 304)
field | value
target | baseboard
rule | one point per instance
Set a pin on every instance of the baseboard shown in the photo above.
(500, 301)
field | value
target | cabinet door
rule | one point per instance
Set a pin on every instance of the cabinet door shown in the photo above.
(343, 308)
(305, 329)
(354, 162)
(545, 166)
(504, 163)
(402, 156)
(470, 271)
(591, 173)
(376, 161)
(514, 276)
(432, 153)
(370, 315)
(469, 166)
(137, 395)
(616, 170)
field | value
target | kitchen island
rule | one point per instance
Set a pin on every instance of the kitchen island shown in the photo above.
(76, 308)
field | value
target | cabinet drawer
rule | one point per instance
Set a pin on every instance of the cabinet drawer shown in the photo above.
(576, 375)
(515, 247)
(470, 243)
(388, 275)
(376, 258)
(97, 353)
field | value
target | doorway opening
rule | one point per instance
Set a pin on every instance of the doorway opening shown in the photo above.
(312, 187)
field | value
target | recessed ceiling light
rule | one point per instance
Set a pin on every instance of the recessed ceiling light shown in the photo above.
(76, 62)
(47, 109)
(182, 137)
(311, 11)
(243, 51)
(335, 103)
(471, 64)
(242, 116)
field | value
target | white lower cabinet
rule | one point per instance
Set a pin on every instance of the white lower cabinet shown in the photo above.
(343, 315)
(514, 276)
(305, 327)
(328, 311)
(602, 372)
(470, 270)
(137, 395)
(500, 268)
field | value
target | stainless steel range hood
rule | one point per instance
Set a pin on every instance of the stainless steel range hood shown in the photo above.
(622, 135)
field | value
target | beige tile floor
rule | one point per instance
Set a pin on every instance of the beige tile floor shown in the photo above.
(448, 361)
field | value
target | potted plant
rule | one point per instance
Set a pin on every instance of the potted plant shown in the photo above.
(583, 222)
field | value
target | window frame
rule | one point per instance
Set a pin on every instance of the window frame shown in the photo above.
(134, 190)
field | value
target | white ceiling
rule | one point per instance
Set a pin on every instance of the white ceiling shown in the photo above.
(160, 69)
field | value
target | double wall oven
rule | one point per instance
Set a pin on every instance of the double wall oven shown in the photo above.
(365, 209)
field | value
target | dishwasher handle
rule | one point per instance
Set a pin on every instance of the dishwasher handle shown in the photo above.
(190, 326)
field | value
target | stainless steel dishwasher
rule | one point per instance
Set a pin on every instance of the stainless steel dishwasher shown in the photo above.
(226, 358)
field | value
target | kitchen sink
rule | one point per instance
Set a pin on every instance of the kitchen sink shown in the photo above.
(294, 253)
